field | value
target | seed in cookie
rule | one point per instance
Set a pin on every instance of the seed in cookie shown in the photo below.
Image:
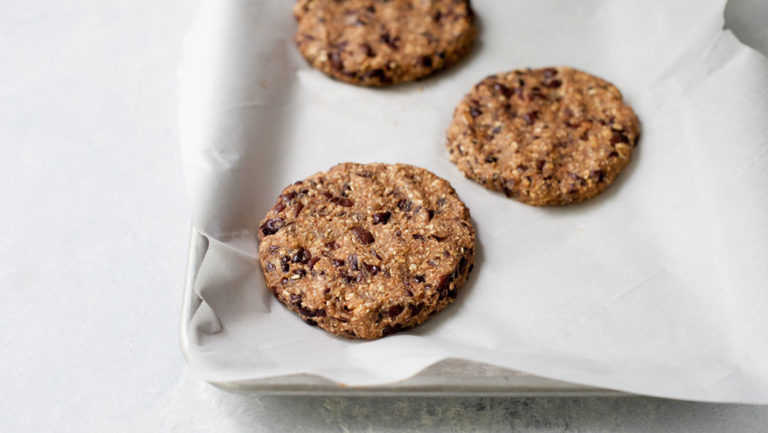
(379, 43)
(376, 248)
(551, 136)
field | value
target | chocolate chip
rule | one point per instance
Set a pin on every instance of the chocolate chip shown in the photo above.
(299, 273)
(332, 246)
(496, 130)
(395, 310)
(491, 159)
(430, 214)
(299, 207)
(416, 309)
(404, 205)
(310, 322)
(270, 267)
(313, 262)
(343, 201)
(613, 154)
(319, 312)
(287, 196)
(441, 201)
(391, 329)
(504, 90)
(378, 74)
(365, 173)
(372, 269)
(363, 236)
(381, 217)
(426, 61)
(370, 9)
(597, 175)
(285, 263)
(302, 256)
(462, 265)
(335, 59)
(574, 176)
(418, 278)
(271, 226)
(352, 260)
(337, 262)
(295, 298)
(530, 117)
(367, 50)
(619, 137)
(390, 41)
(443, 285)
(509, 187)
(474, 111)
(554, 84)
(540, 164)
(418, 236)
(279, 206)
(326, 194)
(549, 72)
(437, 16)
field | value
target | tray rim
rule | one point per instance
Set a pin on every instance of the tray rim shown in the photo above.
(508, 384)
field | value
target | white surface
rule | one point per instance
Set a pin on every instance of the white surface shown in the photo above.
(93, 238)
(650, 288)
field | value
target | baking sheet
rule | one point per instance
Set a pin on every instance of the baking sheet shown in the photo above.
(655, 287)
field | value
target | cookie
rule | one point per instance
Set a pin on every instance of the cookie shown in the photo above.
(365, 250)
(550, 136)
(379, 43)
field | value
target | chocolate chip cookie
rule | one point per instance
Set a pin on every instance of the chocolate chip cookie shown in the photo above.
(365, 250)
(379, 43)
(550, 136)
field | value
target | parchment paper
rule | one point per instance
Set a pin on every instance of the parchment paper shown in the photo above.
(659, 286)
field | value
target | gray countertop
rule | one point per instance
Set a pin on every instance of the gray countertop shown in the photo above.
(94, 207)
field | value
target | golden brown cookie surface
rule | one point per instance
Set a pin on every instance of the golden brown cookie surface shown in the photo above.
(364, 250)
(551, 136)
(378, 43)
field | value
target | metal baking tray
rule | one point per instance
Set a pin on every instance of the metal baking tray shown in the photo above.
(452, 377)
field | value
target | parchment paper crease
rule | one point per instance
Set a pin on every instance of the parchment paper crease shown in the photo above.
(659, 286)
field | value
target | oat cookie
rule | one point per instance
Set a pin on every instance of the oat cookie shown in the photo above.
(550, 136)
(365, 250)
(383, 42)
